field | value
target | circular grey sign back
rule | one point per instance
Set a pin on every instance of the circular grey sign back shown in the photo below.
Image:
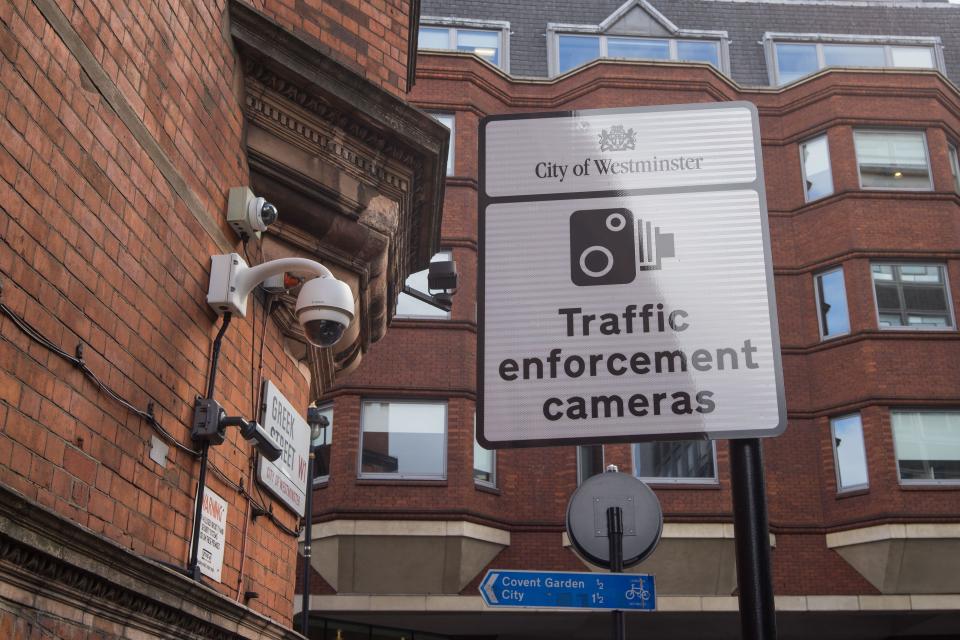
(587, 518)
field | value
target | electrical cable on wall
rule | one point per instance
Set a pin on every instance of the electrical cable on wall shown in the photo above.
(78, 362)
(146, 415)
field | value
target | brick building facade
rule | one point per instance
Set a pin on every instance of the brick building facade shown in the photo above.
(864, 538)
(123, 125)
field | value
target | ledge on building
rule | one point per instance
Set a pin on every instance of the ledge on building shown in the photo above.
(403, 556)
(691, 559)
(90, 577)
(903, 558)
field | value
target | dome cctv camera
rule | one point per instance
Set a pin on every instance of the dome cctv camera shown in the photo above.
(261, 214)
(324, 310)
(324, 306)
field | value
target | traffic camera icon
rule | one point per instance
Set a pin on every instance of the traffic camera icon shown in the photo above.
(609, 246)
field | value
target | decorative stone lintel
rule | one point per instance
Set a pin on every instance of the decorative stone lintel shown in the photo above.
(44, 553)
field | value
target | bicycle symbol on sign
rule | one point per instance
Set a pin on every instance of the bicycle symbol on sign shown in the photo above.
(636, 590)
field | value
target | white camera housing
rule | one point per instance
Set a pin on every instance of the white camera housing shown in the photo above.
(248, 214)
(324, 310)
(324, 307)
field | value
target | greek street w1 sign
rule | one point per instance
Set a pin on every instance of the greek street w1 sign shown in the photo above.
(626, 288)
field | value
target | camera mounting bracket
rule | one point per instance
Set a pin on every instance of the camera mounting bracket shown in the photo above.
(231, 280)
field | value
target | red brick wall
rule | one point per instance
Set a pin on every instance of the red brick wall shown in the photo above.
(870, 369)
(99, 247)
(368, 37)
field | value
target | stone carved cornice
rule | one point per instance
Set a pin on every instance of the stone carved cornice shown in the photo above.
(299, 70)
(390, 168)
(41, 552)
(357, 173)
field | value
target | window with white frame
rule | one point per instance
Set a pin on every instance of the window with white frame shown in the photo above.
(572, 50)
(892, 160)
(480, 37)
(911, 295)
(410, 307)
(403, 439)
(448, 120)
(321, 447)
(927, 445)
(795, 56)
(815, 163)
(589, 461)
(832, 303)
(676, 461)
(484, 461)
(849, 452)
(954, 165)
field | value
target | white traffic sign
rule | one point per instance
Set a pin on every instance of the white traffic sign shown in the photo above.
(286, 478)
(626, 287)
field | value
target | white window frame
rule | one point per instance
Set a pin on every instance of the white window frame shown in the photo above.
(926, 154)
(896, 455)
(816, 294)
(451, 124)
(492, 482)
(946, 286)
(399, 476)
(953, 154)
(328, 440)
(554, 31)
(836, 458)
(889, 43)
(715, 480)
(803, 167)
(603, 461)
(500, 27)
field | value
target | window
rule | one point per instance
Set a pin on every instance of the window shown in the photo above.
(892, 160)
(410, 307)
(808, 54)
(686, 461)
(484, 461)
(403, 439)
(589, 461)
(321, 447)
(815, 162)
(449, 121)
(832, 303)
(849, 453)
(927, 445)
(470, 36)
(911, 296)
(954, 166)
(575, 50)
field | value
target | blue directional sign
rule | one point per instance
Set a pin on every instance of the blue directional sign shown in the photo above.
(568, 590)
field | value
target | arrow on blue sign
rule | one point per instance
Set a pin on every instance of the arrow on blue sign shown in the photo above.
(569, 590)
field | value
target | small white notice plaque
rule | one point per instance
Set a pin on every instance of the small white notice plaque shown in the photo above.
(213, 534)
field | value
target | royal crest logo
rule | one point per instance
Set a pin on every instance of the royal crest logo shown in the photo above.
(616, 139)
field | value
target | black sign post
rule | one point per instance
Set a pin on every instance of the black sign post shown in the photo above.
(754, 580)
(615, 536)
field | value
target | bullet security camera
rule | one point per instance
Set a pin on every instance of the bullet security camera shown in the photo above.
(210, 424)
(266, 445)
(325, 310)
(324, 306)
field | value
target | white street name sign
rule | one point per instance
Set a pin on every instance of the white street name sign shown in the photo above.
(286, 478)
